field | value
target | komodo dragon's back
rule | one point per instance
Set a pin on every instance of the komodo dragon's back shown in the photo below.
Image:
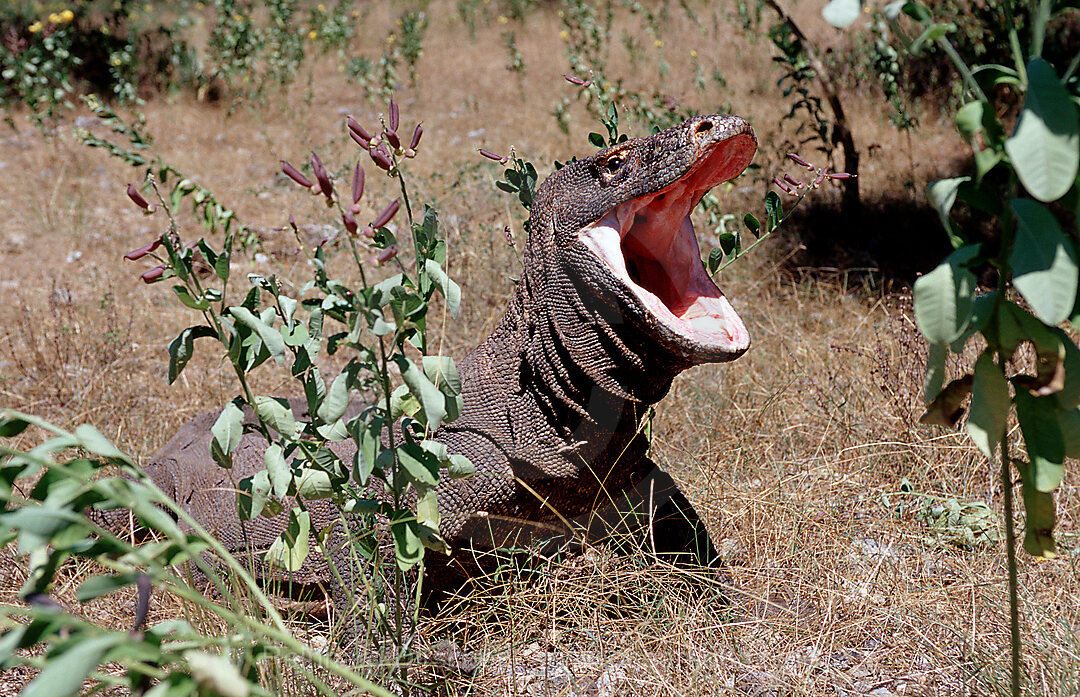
(613, 303)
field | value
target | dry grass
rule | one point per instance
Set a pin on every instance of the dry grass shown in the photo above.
(797, 454)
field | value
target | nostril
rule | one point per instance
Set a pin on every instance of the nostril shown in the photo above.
(703, 127)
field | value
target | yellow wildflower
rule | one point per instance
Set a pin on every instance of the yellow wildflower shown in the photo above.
(502, 19)
(356, 14)
(564, 35)
(658, 43)
(35, 27)
(693, 53)
(67, 16)
(321, 8)
(313, 35)
(238, 18)
(54, 18)
(116, 61)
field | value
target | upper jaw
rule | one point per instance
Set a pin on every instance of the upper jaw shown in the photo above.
(648, 245)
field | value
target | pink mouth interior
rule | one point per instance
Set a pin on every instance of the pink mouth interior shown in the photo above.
(650, 245)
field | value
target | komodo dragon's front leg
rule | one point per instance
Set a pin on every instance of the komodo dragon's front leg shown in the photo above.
(613, 303)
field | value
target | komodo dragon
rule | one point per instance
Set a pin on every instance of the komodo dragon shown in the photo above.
(612, 304)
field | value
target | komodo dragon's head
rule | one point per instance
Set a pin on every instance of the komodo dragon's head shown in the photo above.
(611, 241)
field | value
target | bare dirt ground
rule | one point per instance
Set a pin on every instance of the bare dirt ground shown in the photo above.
(866, 548)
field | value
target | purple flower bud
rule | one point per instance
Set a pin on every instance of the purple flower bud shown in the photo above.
(387, 254)
(358, 133)
(417, 132)
(492, 156)
(294, 174)
(153, 275)
(840, 175)
(292, 224)
(137, 198)
(509, 235)
(322, 177)
(783, 187)
(575, 80)
(819, 178)
(357, 183)
(793, 181)
(393, 115)
(355, 209)
(143, 251)
(350, 222)
(392, 138)
(368, 232)
(381, 157)
(387, 214)
(799, 161)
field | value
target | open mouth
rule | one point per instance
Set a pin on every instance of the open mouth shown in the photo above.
(649, 244)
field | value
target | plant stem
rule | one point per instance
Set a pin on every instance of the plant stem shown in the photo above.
(1010, 549)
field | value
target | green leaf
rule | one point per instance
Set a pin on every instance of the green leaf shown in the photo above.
(366, 436)
(1069, 421)
(103, 584)
(842, 13)
(226, 433)
(1041, 518)
(1044, 262)
(278, 415)
(944, 298)
(408, 548)
(930, 35)
(313, 484)
(752, 224)
(1069, 396)
(182, 347)
(1045, 148)
(337, 398)
(1043, 439)
(935, 371)
(271, 338)
(65, 672)
(989, 405)
(253, 495)
(942, 196)
(773, 210)
(186, 299)
(597, 140)
(216, 674)
(430, 397)
(420, 466)
(91, 440)
(278, 470)
(290, 549)
(450, 290)
(716, 257)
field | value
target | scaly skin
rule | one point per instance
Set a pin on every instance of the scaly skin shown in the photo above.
(554, 398)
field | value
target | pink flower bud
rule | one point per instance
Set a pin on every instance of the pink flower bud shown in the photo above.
(393, 115)
(840, 175)
(799, 161)
(355, 209)
(793, 181)
(381, 157)
(509, 235)
(137, 198)
(417, 132)
(387, 214)
(358, 133)
(357, 183)
(153, 275)
(492, 156)
(819, 178)
(359, 139)
(294, 174)
(322, 177)
(143, 251)
(368, 232)
(292, 224)
(392, 138)
(350, 222)
(387, 254)
(575, 80)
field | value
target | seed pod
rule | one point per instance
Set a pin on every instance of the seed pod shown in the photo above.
(357, 183)
(387, 254)
(575, 80)
(294, 174)
(783, 187)
(137, 198)
(492, 156)
(358, 132)
(417, 132)
(793, 181)
(350, 222)
(381, 157)
(840, 175)
(799, 161)
(392, 138)
(143, 251)
(387, 214)
(393, 115)
(322, 177)
(153, 275)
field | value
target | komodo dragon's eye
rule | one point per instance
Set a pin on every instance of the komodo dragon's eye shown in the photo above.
(613, 163)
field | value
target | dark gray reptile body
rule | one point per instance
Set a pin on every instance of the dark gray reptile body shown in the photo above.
(554, 398)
